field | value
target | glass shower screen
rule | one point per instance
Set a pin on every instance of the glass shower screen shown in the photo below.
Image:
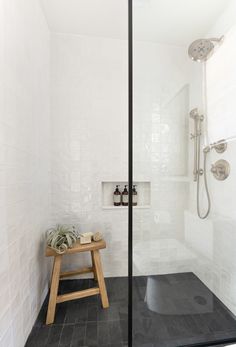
(184, 267)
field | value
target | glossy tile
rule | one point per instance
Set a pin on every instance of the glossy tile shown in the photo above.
(24, 166)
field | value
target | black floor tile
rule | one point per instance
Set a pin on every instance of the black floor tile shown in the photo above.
(115, 332)
(171, 310)
(103, 334)
(66, 336)
(92, 313)
(124, 330)
(76, 312)
(54, 336)
(91, 334)
(43, 335)
(78, 336)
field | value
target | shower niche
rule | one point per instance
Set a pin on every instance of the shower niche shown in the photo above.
(143, 188)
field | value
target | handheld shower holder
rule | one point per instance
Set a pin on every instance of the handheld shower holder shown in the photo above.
(219, 146)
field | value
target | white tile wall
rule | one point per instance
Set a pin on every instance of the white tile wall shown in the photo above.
(24, 166)
(221, 89)
(213, 239)
(90, 138)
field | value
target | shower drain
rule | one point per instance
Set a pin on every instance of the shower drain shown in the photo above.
(200, 300)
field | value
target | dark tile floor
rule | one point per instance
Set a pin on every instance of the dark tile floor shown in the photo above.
(83, 323)
(178, 310)
(168, 311)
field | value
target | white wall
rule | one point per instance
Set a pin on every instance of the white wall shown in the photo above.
(214, 239)
(24, 166)
(90, 138)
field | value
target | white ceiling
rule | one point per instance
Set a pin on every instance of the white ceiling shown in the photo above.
(107, 18)
(169, 21)
(176, 21)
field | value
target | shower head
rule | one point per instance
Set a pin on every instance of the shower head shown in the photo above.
(202, 49)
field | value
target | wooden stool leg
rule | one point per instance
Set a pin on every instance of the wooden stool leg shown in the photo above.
(94, 268)
(100, 279)
(54, 289)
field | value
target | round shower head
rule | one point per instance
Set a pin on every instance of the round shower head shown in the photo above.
(200, 50)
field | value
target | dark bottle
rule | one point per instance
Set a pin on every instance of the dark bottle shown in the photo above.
(134, 196)
(117, 197)
(125, 197)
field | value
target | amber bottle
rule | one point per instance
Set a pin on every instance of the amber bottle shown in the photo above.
(125, 197)
(117, 197)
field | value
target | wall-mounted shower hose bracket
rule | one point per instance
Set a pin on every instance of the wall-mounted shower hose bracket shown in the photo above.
(221, 170)
(220, 146)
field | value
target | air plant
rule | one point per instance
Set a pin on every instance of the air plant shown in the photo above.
(61, 237)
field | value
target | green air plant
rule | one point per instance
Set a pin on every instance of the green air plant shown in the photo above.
(61, 238)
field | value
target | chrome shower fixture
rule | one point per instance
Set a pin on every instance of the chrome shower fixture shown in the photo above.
(195, 115)
(202, 49)
(197, 171)
(219, 146)
(221, 169)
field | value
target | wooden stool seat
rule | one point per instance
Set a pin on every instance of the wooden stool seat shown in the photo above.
(96, 268)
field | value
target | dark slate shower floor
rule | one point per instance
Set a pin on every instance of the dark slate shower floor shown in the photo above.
(168, 311)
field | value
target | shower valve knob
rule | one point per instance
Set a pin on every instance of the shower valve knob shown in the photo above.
(213, 168)
(220, 169)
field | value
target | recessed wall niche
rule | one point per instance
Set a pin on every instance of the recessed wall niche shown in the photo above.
(143, 189)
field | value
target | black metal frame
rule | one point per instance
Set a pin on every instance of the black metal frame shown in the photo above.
(130, 179)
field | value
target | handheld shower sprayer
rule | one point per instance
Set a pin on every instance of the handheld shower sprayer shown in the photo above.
(194, 114)
(197, 171)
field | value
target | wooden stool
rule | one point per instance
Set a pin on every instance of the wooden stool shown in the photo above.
(96, 268)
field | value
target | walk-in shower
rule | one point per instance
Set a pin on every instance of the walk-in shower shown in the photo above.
(88, 103)
(182, 271)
